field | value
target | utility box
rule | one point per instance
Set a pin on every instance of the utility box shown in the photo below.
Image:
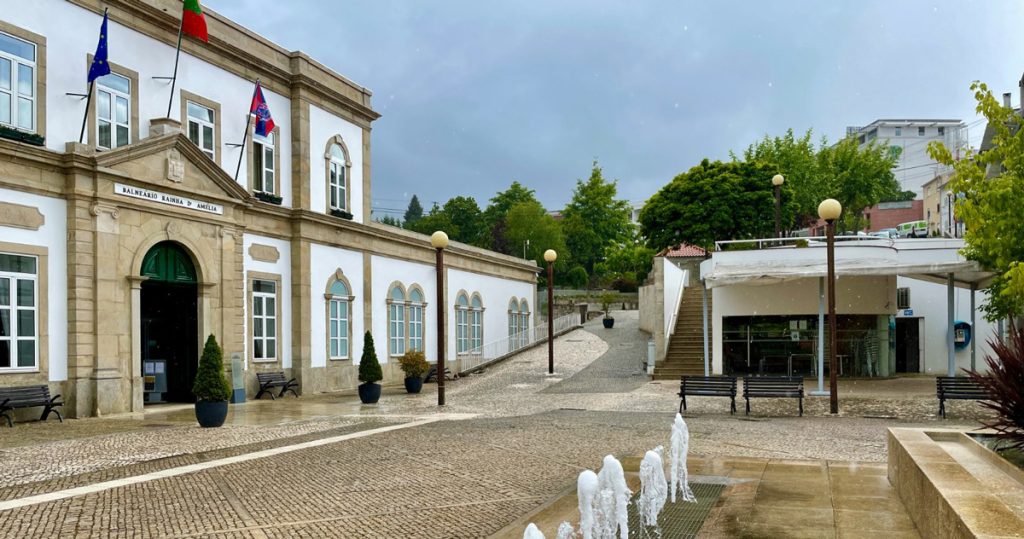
(237, 379)
(650, 356)
(154, 377)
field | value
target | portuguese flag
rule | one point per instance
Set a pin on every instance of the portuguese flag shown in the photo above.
(193, 22)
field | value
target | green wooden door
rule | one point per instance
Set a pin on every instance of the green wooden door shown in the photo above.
(168, 262)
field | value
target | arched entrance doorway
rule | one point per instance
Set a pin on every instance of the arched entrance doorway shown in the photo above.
(169, 319)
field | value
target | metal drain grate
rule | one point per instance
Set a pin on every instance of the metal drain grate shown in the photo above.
(679, 520)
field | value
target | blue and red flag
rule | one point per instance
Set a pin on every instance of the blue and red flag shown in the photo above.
(264, 123)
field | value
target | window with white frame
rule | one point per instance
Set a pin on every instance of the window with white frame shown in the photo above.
(339, 320)
(263, 156)
(899, 131)
(19, 326)
(462, 324)
(113, 111)
(337, 182)
(416, 305)
(201, 126)
(476, 325)
(920, 131)
(513, 321)
(17, 83)
(524, 322)
(396, 321)
(903, 298)
(264, 320)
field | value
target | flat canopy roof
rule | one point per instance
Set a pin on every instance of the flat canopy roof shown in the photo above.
(926, 259)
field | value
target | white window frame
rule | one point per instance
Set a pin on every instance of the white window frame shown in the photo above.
(260, 146)
(337, 190)
(920, 131)
(397, 327)
(341, 326)
(524, 323)
(112, 96)
(260, 320)
(899, 131)
(201, 123)
(476, 330)
(462, 325)
(13, 320)
(416, 326)
(14, 92)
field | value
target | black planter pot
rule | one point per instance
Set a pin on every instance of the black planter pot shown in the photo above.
(608, 322)
(414, 384)
(369, 392)
(211, 413)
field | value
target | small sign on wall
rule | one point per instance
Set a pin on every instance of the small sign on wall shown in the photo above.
(908, 312)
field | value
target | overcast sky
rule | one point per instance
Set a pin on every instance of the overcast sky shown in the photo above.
(475, 94)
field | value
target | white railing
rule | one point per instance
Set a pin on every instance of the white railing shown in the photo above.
(499, 349)
(675, 299)
(768, 243)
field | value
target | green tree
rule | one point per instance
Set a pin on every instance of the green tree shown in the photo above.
(436, 220)
(631, 261)
(858, 178)
(714, 201)
(414, 212)
(990, 189)
(210, 383)
(594, 219)
(369, 367)
(529, 221)
(796, 159)
(494, 227)
(466, 218)
(389, 220)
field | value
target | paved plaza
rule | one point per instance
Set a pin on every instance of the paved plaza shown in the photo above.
(511, 440)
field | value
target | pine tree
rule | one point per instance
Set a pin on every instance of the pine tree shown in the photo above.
(414, 212)
(369, 367)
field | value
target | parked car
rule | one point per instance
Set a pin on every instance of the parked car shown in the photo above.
(913, 229)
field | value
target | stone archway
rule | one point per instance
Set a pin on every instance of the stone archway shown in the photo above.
(169, 323)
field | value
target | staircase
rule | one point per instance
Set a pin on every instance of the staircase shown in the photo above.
(686, 346)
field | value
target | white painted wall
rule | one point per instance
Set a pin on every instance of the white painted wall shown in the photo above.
(282, 267)
(496, 294)
(322, 127)
(325, 261)
(72, 32)
(874, 295)
(915, 167)
(387, 271)
(676, 280)
(929, 302)
(53, 236)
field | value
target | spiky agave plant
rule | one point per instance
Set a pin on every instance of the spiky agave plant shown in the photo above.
(1005, 384)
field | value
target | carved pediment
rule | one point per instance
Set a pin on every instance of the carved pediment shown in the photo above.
(173, 162)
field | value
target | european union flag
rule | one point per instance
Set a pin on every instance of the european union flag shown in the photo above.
(100, 66)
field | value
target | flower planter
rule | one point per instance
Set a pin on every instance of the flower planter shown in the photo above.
(369, 393)
(269, 198)
(414, 384)
(608, 323)
(211, 413)
(341, 214)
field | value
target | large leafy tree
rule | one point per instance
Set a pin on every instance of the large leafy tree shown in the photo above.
(714, 201)
(530, 221)
(594, 219)
(460, 218)
(796, 159)
(494, 226)
(857, 177)
(414, 212)
(990, 186)
(436, 220)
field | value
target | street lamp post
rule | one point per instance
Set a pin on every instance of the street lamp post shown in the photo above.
(439, 240)
(550, 256)
(829, 211)
(777, 181)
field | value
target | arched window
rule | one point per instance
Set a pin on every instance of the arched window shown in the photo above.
(338, 168)
(513, 321)
(339, 317)
(476, 324)
(396, 320)
(416, 304)
(462, 323)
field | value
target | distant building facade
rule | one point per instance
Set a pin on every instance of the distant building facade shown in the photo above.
(909, 138)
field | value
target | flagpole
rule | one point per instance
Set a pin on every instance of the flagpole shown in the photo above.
(245, 135)
(85, 118)
(174, 78)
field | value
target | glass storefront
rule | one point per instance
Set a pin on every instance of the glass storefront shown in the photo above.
(788, 345)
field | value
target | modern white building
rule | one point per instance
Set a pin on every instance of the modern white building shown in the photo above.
(909, 139)
(119, 255)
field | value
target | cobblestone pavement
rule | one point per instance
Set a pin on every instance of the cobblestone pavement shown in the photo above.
(531, 435)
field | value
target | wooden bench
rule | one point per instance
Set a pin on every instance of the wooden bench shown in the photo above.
(269, 381)
(12, 398)
(958, 388)
(773, 386)
(708, 386)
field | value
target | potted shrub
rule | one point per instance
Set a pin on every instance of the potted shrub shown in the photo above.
(369, 372)
(211, 387)
(414, 365)
(606, 301)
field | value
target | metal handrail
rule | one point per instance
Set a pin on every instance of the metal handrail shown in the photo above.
(505, 346)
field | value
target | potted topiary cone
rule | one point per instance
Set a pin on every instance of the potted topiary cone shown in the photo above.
(606, 302)
(211, 387)
(415, 365)
(369, 372)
